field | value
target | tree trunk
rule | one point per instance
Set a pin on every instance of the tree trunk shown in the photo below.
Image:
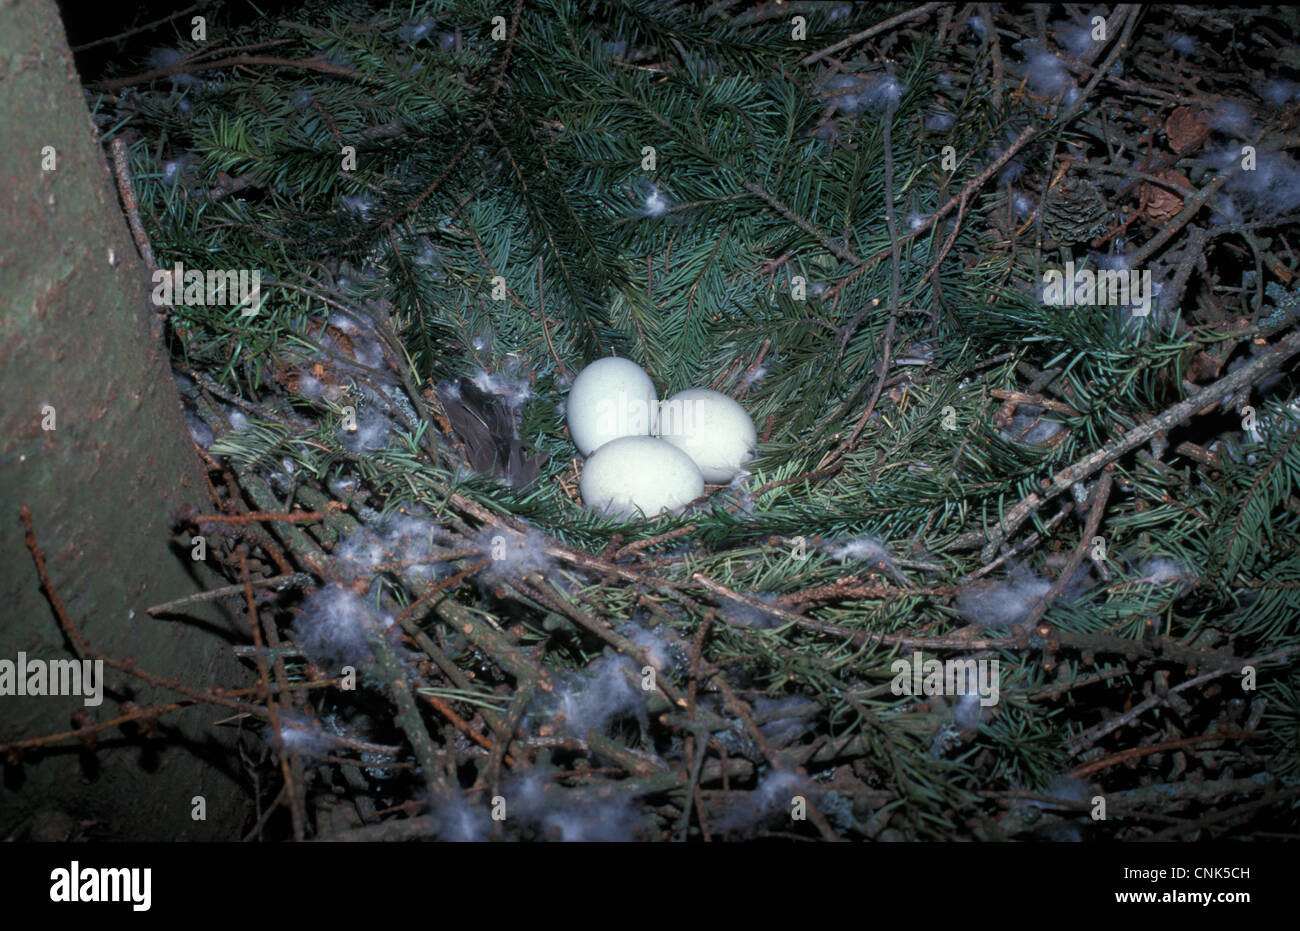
(79, 353)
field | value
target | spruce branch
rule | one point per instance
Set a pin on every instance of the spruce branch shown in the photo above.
(1267, 361)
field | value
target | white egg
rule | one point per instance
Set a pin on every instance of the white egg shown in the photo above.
(639, 473)
(712, 429)
(609, 399)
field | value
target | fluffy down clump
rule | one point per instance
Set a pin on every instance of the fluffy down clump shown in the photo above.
(403, 544)
(1048, 76)
(513, 555)
(967, 710)
(372, 431)
(456, 820)
(336, 625)
(772, 800)
(754, 377)
(1002, 604)
(852, 93)
(299, 734)
(608, 689)
(1161, 571)
(659, 652)
(1270, 189)
(866, 550)
(514, 391)
(599, 816)
(1076, 39)
(742, 615)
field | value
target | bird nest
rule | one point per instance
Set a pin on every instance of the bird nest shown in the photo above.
(958, 569)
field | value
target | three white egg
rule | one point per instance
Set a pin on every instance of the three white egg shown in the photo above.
(611, 398)
(614, 415)
(639, 473)
(711, 428)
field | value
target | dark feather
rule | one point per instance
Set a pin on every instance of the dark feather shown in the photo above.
(488, 428)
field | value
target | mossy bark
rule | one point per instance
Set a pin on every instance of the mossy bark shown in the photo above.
(78, 336)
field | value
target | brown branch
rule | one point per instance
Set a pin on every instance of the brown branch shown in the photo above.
(126, 190)
(1021, 397)
(868, 33)
(1100, 497)
(186, 66)
(253, 517)
(136, 30)
(460, 723)
(125, 666)
(644, 544)
(297, 810)
(1134, 753)
(1216, 817)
